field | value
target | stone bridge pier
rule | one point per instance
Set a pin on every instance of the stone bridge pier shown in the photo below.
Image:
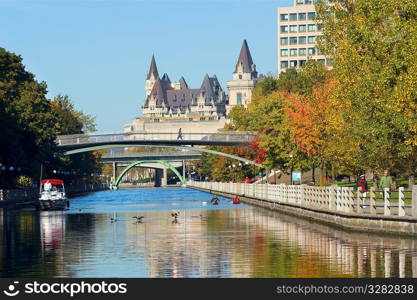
(161, 179)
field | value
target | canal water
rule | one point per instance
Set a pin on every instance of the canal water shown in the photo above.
(207, 240)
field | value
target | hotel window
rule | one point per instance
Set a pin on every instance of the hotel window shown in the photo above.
(293, 52)
(293, 63)
(311, 51)
(284, 17)
(284, 52)
(311, 15)
(302, 28)
(284, 41)
(311, 27)
(302, 40)
(302, 16)
(308, 2)
(284, 64)
(311, 39)
(293, 40)
(300, 1)
(302, 52)
(293, 28)
(293, 17)
(239, 98)
(302, 62)
(284, 29)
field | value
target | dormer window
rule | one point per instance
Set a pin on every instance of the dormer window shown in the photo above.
(240, 76)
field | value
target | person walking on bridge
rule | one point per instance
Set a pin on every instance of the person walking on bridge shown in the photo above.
(180, 135)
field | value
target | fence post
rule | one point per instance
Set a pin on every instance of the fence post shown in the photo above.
(359, 209)
(339, 198)
(414, 202)
(302, 195)
(332, 198)
(372, 204)
(401, 209)
(387, 209)
(1, 195)
(350, 199)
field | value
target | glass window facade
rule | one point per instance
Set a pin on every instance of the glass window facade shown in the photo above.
(293, 17)
(302, 52)
(293, 52)
(293, 40)
(311, 39)
(302, 40)
(293, 63)
(284, 17)
(302, 16)
(284, 64)
(302, 28)
(311, 15)
(284, 41)
(293, 28)
(311, 27)
(284, 52)
(311, 51)
(284, 29)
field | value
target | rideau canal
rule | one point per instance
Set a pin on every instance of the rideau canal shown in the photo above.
(224, 240)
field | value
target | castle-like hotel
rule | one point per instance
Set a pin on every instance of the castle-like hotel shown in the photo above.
(173, 105)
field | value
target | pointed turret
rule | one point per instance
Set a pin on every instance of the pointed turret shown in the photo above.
(245, 60)
(153, 70)
(183, 84)
(158, 92)
(165, 77)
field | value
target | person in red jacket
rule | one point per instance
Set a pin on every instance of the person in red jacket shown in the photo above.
(362, 186)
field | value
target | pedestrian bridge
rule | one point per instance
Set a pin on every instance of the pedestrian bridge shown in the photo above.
(126, 156)
(75, 141)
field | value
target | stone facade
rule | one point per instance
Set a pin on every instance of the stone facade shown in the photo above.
(170, 106)
(166, 100)
(244, 80)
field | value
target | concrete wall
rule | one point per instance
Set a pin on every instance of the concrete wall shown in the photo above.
(362, 223)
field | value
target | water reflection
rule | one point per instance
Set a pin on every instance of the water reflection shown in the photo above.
(207, 241)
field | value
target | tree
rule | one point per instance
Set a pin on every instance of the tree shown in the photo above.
(373, 44)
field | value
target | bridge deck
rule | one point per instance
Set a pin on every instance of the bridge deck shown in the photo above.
(140, 138)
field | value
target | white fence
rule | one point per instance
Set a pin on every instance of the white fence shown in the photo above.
(331, 198)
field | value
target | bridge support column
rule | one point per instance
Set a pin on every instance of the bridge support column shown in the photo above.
(164, 181)
(183, 169)
(114, 170)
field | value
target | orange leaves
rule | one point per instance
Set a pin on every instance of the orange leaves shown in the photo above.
(309, 118)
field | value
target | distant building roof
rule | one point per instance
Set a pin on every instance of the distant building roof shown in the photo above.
(245, 59)
(153, 69)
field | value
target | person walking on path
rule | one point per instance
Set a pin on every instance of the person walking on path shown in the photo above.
(362, 186)
(385, 182)
(180, 135)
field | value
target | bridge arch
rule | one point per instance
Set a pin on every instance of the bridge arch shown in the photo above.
(162, 162)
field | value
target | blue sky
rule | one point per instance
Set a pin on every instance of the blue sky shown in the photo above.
(98, 51)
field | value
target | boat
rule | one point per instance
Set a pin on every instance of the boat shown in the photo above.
(52, 195)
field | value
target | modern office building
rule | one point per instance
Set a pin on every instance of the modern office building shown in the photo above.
(297, 34)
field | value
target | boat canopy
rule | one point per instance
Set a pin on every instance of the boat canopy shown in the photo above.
(53, 181)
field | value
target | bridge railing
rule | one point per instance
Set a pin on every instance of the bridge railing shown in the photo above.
(125, 154)
(331, 198)
(148, 136)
